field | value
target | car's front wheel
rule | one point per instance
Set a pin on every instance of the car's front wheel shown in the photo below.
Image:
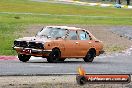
(54, 56)
(90, 56)
(23, 57)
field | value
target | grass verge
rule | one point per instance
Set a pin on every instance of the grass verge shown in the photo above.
(10, 23)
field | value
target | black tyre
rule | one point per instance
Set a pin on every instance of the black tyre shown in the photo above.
(24, 58)
(81, 80)
(90, 56)
(54, 56)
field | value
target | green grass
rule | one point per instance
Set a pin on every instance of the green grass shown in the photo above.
(10, 23)
(6, 38)
(39, 7)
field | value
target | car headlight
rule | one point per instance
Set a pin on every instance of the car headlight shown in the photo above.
(17, 43)
(20, 43)
(39, 45)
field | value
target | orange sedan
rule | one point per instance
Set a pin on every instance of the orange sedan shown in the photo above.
(56, 43)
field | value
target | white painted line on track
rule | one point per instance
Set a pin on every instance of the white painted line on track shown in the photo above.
(23, 13)
(42, 66)
(106, 56)
(58, 15)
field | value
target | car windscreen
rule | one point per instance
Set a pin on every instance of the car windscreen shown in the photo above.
(54, 33)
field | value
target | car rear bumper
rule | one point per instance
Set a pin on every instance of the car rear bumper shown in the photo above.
(31, 51)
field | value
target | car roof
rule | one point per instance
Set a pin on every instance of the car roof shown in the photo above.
(73, 28)
(66, 27)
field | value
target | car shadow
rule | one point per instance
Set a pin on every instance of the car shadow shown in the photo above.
(58, 62)
(71, 62)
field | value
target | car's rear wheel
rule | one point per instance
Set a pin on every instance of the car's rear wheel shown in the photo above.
(23, 57)
(90, 56)
(54, 56)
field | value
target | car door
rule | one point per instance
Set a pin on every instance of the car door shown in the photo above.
(71, 44)
(85, 43)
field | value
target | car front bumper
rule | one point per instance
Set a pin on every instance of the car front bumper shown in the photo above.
(31, 51)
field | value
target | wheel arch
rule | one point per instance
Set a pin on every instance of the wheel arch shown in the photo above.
(56, 48)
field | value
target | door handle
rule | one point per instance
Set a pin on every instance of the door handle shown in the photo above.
(77, 42)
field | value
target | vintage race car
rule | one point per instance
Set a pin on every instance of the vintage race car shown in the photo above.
(56, 43)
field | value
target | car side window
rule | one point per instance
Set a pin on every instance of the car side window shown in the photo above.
(84, 35)
(72, 35)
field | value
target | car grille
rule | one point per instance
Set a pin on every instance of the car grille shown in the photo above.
(32, 45)
(28, 44)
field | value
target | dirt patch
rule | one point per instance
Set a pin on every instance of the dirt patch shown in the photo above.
(68, 81)
(112, 41)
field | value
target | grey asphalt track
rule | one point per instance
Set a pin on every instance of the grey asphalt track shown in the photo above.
(120, 63)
